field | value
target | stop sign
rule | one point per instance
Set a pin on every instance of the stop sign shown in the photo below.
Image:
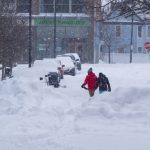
(147, 45)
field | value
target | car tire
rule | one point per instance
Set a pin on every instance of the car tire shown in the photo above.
(56, 85)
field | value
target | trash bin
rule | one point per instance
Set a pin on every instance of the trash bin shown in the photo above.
(8, 71)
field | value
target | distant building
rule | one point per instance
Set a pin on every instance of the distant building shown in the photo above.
(74, 27)
(115, 34)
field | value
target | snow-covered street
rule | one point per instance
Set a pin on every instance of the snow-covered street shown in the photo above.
(34, 116)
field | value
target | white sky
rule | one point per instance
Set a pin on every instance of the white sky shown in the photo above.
(34, 116)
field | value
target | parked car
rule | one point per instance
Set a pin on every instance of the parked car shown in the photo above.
(71, 56)
(57, 68)
(67, 64)
(75, 57)
(51, 69)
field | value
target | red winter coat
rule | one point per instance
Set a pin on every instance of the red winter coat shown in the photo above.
(90, 80)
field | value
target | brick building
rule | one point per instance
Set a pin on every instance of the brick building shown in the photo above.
(73, 28)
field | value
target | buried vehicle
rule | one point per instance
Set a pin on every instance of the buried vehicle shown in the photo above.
(51, 70)
(76, 59)
(68, 65)
(52, 78)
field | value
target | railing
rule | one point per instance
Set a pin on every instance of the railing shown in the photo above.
(125, 57)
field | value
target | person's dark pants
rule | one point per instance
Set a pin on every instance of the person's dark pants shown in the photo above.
(91, 92)
(101, 91)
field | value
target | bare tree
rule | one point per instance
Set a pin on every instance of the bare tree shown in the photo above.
(108, 36)
(127, 8)
(13, 37)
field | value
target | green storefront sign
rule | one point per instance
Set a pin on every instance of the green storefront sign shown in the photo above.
(69, 22)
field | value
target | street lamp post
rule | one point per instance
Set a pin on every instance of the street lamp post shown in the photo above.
(131, 42)
(54, 28)
(30, 33)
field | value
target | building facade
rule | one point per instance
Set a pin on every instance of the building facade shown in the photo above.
(59, 26)
(116, 37)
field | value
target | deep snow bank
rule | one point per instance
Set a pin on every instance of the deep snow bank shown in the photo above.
(40, 117)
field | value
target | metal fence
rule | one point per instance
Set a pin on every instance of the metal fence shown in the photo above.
(125, 57)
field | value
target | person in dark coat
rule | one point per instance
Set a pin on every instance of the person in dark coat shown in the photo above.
(90, 80)
(103, 83)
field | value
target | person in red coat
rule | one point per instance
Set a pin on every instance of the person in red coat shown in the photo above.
(90, 80)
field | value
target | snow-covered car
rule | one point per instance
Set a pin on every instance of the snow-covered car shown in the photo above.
(68, 65)
(76, 59)
(49, 65)
(71, 56)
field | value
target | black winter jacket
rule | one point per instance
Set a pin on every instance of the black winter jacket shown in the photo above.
(103, 83)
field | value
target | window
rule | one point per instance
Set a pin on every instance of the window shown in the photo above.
(139, 49)
(77, 6)
(118, 31)
(148, 31)
(47, 6)
(23, 6)
(139, 31)
(62, 6)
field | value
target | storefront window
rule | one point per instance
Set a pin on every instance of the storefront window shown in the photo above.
(68, 39)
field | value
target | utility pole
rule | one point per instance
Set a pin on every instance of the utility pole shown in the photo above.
(131, 42)
(30, 33)
(54, 28)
